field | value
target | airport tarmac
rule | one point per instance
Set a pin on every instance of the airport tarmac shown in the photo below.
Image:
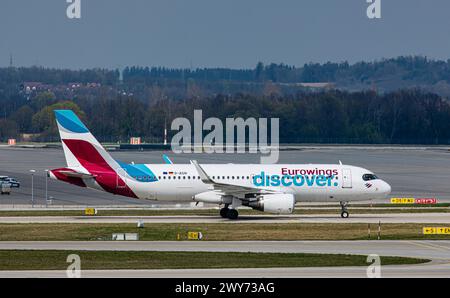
(437, 251)
(438, 218)
(405, 271)
(412, 172)
(429, 249)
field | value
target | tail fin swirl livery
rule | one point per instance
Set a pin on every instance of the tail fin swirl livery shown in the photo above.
(86, 156)
(81, 148)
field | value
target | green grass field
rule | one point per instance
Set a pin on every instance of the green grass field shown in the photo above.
(214, 231)
(56, 260)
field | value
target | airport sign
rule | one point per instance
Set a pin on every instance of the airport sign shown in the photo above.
(436, 230)
(402, 200)
(420, 201)
(195, 235)
(90, 211)
(426, 201)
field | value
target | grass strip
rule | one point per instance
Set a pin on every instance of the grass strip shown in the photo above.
(56, 260)
(216, 231)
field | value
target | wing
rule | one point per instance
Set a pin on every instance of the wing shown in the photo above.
(229, 189)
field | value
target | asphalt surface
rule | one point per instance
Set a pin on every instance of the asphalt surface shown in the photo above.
(411, 172)
(437, 251)
(413, 271)
(429, 218)
(431, 249)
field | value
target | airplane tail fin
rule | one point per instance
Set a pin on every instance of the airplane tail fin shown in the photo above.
(81, 149)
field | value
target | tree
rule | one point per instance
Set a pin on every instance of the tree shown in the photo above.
(43, 99)
(44, 120)
(23, 118)
(259, 72)
(8, 129)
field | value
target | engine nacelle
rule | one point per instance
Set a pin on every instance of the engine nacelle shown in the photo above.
(212, 197)
(277, 203)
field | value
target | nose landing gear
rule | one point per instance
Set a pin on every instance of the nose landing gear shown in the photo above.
(344, 211)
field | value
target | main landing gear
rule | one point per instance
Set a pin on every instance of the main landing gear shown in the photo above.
(229, 213)
(224, 212)
(344, 211)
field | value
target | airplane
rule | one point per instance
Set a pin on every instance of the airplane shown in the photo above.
(273, 188)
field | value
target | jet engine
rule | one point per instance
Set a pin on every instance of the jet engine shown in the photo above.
(273, 203)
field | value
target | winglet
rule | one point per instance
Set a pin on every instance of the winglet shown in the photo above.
(167, 159)
(203, 176)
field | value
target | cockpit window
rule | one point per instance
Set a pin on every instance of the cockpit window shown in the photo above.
(367, 177)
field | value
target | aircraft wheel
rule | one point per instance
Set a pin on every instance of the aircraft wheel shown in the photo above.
(224, 212)
(233, 214)
(344, 214)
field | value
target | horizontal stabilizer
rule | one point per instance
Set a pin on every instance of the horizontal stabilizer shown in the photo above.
(76, 174)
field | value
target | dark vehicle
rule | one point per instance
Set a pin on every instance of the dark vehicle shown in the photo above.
(12, 181)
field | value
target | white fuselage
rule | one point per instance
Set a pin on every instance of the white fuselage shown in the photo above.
(307, 182)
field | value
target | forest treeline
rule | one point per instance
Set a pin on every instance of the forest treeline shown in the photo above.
(416, 68)
(408, 68)
(407, 116)
(399, 100)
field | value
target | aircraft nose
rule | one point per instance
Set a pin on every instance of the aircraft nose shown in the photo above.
(386, 188)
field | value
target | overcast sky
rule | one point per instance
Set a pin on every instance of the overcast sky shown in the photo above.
(218, 33)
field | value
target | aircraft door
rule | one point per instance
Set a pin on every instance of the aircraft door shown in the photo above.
(346, 178)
